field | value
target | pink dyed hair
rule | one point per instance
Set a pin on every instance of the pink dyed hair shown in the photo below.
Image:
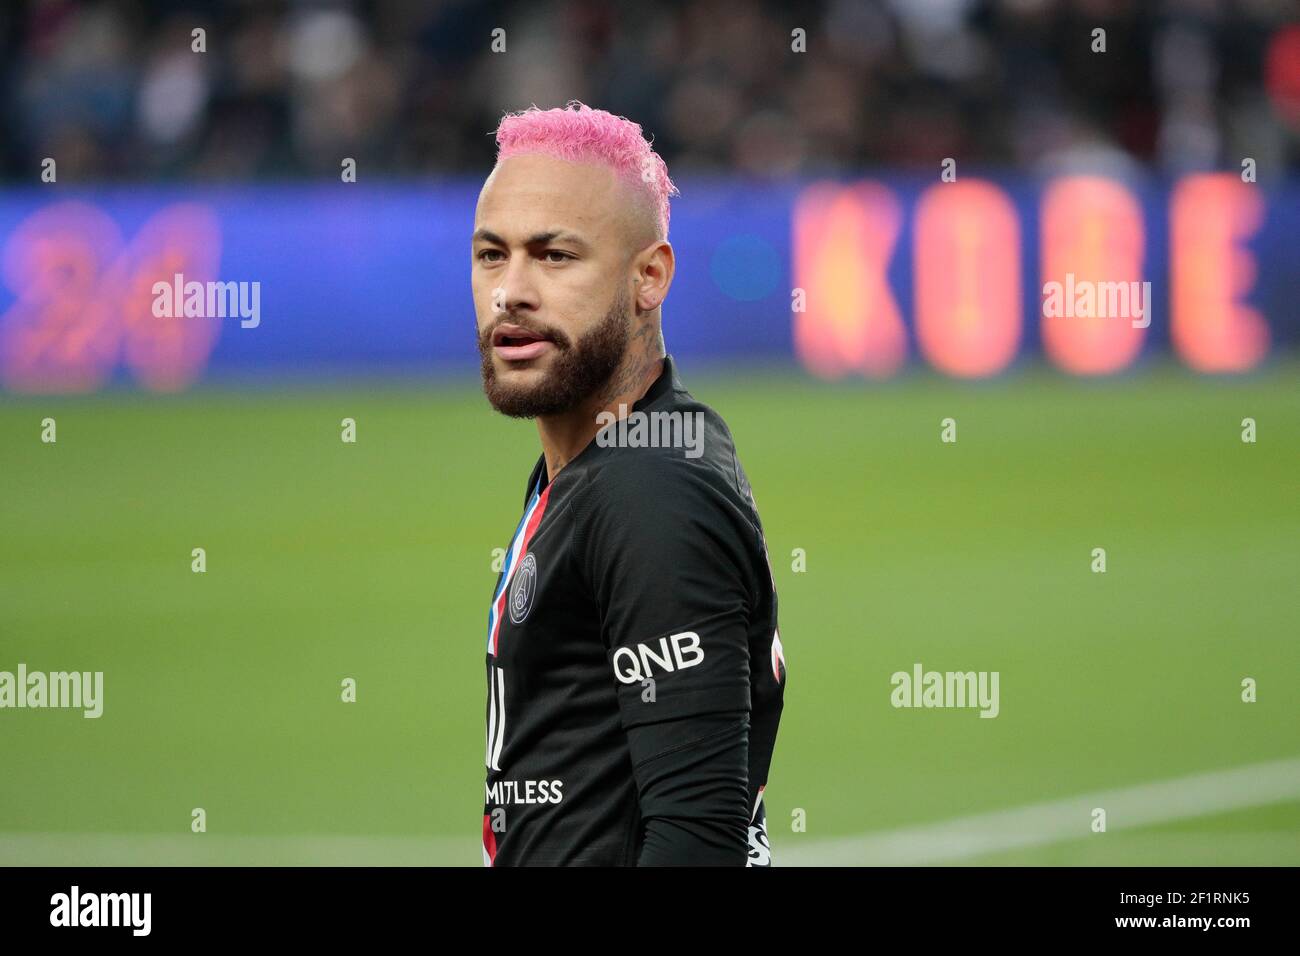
(580, 134)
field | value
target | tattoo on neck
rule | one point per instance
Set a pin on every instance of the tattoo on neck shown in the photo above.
(629, 377)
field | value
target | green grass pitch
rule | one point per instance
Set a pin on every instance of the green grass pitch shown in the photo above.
(372, 560)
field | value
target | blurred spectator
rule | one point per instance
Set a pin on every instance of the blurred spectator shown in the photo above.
(114, 90)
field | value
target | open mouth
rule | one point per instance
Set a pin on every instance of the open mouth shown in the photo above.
(514, 343)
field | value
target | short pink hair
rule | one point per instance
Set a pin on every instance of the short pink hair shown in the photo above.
(580, 134)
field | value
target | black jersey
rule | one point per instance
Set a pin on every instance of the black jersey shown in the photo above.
(635, 611)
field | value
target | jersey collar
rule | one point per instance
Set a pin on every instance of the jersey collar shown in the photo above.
(667, 382)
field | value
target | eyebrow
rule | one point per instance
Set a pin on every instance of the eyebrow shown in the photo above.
(536, 239)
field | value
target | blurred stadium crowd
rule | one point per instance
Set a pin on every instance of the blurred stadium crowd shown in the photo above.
(114, 91)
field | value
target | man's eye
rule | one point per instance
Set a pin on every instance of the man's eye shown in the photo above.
(488, 252)
(557, 252)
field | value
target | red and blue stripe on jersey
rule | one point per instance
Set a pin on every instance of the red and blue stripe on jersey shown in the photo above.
(515, 555)
(518, 549)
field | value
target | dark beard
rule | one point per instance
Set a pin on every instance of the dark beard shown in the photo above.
(578, 370)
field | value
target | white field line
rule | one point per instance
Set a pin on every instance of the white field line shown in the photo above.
(1043, 824)
(1040, 824)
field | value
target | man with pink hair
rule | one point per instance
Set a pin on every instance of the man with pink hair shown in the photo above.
(635, 674)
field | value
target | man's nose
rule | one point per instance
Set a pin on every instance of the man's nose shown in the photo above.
(517, 291)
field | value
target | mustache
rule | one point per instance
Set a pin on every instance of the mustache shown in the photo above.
(536, 328)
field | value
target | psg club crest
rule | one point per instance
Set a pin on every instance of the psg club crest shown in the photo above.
(522, 589)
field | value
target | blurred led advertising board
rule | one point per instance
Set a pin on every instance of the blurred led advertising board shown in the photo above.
(165, 287)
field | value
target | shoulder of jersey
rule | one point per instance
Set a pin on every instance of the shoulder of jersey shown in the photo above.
(619, 471)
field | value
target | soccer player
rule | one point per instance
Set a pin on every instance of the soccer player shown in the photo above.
(635, 674)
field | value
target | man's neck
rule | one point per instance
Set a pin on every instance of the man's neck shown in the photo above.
(564, 436)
